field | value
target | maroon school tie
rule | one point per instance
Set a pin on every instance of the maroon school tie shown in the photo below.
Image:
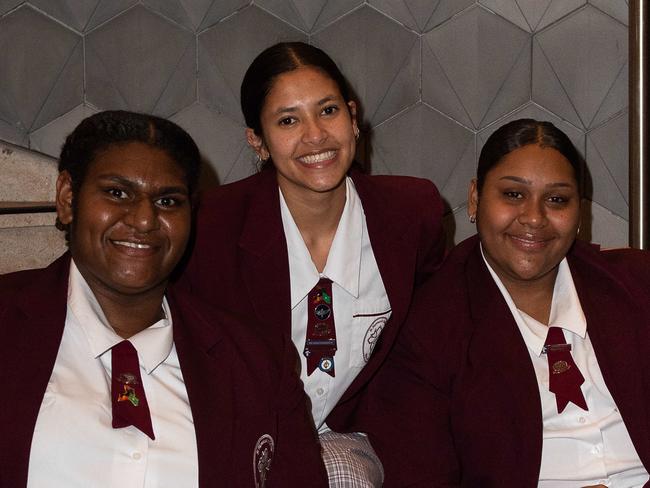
(320, 344)
(563, 375)
(127, 391)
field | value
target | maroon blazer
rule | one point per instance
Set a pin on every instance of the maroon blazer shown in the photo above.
(459, 387)
(240, 257)
(240, 381)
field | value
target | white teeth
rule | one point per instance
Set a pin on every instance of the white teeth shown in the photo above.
(317, 158)
(134, 245)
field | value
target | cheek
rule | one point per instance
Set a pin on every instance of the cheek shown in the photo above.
(177, 228)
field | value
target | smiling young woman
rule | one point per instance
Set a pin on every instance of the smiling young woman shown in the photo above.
(525, 358)
(311, 233)
(199, 394)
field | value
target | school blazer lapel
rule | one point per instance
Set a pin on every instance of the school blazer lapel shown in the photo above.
(264, 256)
(497, 365)
(208, 376)
(27, 356)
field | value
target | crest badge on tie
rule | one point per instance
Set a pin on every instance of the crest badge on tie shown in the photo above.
(262, 457)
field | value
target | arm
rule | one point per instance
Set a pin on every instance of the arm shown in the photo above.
(409, 403)
(297, 461)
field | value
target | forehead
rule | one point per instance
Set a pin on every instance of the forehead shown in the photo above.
(139, 162)
(535, 163)
(302, 83)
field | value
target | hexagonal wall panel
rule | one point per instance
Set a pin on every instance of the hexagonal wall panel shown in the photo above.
(311, 15)
(50, 138)
(533, 15)
(45, 78)
(619, 9)
(142, 62)
(580, 67)
(222, 144)
(227, 49)
(382, 67)
(418, 15)
(196, 14)
(476, 67)
(533, 111)
(7, 5)
(422, 142)
(607, 159)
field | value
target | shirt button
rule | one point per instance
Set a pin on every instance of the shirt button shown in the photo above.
(320, 391)
(582, 420)
(136, 455)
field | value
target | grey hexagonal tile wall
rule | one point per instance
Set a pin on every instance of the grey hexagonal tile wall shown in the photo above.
(421, 16)
(579, 67)
(383, 66)
(140, 60)
(42, 76)
(422, 142)
(476, 67)
(221, 68)
(434, 77)
(532, 15)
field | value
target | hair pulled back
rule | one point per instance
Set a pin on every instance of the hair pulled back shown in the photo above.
(523, 132)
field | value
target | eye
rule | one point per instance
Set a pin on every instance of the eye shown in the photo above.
(169, 201)
(330, 110)
(558, 199)
(117, 193)
(287, 121)
(513, 195)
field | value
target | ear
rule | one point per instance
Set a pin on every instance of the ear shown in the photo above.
(472, 198)
(257, 143)
(353, 115)
(64, 198)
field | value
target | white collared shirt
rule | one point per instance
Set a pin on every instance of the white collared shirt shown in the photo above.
(359, 299)
(74, 443)
(580, 448)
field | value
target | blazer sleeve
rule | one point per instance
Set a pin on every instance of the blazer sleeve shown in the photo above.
(297, 461)
(410, 403)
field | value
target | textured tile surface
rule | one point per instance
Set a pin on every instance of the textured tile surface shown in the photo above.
(579, 67)
(476, 67)
(382, 68)
(434, 78)
(141, 61)
(221, 69)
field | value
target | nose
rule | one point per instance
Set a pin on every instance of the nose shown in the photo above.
(313, 133)
(142, 215)
(533, 213)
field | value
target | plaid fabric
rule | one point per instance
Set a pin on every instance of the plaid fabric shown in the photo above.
(350, 461)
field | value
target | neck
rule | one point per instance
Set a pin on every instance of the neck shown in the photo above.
(130, 314)
(533, 297)
(317, 217)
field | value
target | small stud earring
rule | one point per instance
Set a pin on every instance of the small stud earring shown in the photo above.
(472, 218)
(356, 133)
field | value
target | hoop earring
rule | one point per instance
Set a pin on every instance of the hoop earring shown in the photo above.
(356, 133)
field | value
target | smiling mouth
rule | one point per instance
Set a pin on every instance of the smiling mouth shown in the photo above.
(317, 158)
(133, 245)
(529, 241)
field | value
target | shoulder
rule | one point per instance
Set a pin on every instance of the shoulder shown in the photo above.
(404, 188)
(629, 265)
(238, 191)
(15, 286)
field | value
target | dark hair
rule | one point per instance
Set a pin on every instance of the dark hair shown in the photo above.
(274, 61)
(104, 129)
(523, 132)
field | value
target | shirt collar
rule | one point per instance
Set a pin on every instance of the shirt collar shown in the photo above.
(153, 343)
(344, 259)
(566, 311)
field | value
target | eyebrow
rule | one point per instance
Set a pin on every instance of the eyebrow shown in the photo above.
(524, 181)
(322, 101)
(132, 184)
